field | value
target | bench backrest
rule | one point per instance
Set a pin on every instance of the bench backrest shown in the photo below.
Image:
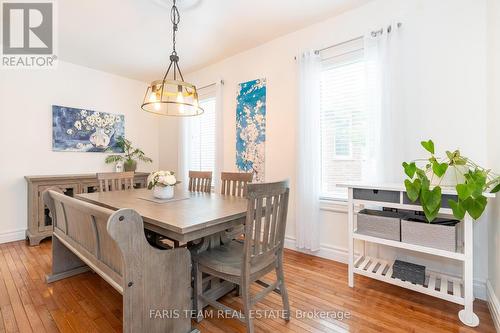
(83, 226)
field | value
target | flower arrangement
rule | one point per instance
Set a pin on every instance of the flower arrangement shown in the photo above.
(162, 178)
(162, 183)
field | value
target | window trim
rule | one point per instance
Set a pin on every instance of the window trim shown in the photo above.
(347, 54)
(207, 96)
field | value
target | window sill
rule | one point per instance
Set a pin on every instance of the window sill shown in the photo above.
(333, 205)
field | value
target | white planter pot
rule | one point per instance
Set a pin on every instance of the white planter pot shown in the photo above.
(163, 192)
(451, 178)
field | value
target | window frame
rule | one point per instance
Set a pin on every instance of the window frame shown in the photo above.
(342, 55)
(204, 95)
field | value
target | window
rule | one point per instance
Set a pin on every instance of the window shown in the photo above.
(344, 120)
(202, 136)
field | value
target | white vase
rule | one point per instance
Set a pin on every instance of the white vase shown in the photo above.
(99, 138)
(163, 192)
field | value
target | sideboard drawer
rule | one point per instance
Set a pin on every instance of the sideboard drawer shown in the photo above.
(444, 200)
(376, 195)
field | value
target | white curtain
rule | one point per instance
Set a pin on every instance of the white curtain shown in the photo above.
(219, 135)
(383, 87)
(308, 152)
(184, 149)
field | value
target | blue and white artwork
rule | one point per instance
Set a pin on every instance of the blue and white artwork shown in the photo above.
(251, 128)
(85, 130)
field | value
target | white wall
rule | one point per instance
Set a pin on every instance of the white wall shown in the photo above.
(493, 141)
(26, 97)
(444, 48)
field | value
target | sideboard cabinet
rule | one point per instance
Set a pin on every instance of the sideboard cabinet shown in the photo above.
(39, 220)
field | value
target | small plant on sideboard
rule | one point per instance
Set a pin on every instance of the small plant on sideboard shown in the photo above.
(130, 156)
(425, 178)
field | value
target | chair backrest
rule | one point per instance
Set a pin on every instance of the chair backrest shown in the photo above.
(84, 227)
(235, 183)
(115, 181)
(200, 181)
(265, 223)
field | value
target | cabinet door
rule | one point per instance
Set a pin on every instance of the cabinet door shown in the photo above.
(44, 218)
(140, 182)
(90, 187)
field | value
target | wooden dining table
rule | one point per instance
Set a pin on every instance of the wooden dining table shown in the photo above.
(200, 219)
(189, 216)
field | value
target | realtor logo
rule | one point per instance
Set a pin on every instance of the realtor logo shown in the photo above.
(28, 34)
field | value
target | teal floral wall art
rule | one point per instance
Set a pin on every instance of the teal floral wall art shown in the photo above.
(251, 128)
(84, 130)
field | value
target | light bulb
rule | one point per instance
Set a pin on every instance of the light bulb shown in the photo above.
(152, 97)
(180, 99)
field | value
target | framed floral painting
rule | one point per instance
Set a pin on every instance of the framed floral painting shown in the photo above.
(251, 128)
(85, 130)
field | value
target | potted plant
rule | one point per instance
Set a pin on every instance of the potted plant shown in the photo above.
(162, 183)
(471, 181)
(130, 156)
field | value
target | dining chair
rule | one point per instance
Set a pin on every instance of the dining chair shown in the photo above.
(245, 263)
(235, 183)
(115, 181)
(200, 181)
(119, 181)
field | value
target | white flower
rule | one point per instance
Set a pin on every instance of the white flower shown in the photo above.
(70, 131)
(161, 178)
(170, 179)
(78, 125)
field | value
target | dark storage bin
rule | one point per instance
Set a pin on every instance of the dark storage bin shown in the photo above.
(376, 195)
(444, 200)
(382, 224)
(444, 234)
(407, 271)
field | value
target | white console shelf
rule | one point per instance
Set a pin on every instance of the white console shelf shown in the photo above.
(452, 289)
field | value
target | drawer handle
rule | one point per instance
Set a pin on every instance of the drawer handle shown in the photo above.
(375, 191)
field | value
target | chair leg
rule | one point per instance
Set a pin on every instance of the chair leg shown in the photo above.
(198, 290)
(284, 294)
(245, 293)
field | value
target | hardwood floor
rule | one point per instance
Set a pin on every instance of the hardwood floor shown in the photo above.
(86, 303)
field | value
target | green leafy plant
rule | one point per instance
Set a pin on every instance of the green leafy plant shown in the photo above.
(474, 181)
(130, 155)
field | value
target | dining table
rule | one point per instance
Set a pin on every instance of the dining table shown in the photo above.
(197, 219)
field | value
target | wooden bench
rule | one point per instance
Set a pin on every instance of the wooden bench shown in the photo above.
(154, 283)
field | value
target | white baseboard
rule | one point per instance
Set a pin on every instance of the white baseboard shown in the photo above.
(494, 305)
(12, 236)
(341, 255)
(326, 251)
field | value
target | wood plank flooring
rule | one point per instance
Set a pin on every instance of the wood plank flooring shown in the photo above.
(86, 303)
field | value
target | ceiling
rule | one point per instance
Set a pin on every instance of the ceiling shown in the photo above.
(132, 38)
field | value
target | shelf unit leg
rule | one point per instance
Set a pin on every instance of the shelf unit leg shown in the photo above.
(467, 315)
(350, 219)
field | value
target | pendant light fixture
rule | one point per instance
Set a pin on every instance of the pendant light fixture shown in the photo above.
(172, 97)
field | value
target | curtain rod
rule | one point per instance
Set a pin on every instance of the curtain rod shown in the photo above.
(374, 33)
(210, 85)
(338, 44)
